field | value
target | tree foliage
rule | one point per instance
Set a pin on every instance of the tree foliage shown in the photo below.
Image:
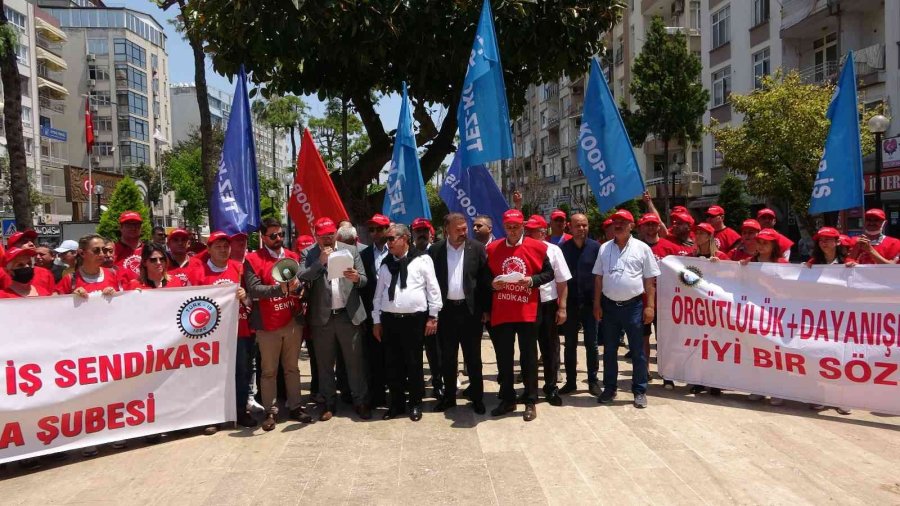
(733, 198)
(327, 131)
(779, 144)
(19, 183)
(182, 173)
(287, 113)
(351, 49)
(270, 206)
(126, 196)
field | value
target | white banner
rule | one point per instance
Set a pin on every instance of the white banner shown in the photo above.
(824, 335)
(81, 372)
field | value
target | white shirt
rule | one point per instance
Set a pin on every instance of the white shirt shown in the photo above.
(379, 255)
(561, 272)
(337, 298)
(455, 258)
(278, 255)
(624, 270)
(422, 292)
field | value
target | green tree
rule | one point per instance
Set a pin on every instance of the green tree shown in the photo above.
(182, 169)
(143, 172)
(331, 133)
(360, 50)
(668, 93)
(287, 113)
(779, 144)
(438, 207)
(733, 198)
(270, 206)
(126, 196)
(596, 218)
(19, 185)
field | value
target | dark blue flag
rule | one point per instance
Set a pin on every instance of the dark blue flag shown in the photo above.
(839, 180)
(472, 192)
(234, 203)
(404, 196)
(604, 149)
(483, 114)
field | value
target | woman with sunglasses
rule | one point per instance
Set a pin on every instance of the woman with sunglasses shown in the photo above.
(154, 270)
(89, 275)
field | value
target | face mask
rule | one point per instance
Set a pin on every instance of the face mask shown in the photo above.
(23, 274)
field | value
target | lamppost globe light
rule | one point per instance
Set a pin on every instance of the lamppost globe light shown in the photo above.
(879, 124)
(287, 178)
(183, 203)
(98, 189)
(272, 193)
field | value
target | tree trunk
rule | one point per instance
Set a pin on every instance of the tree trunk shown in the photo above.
(293, 145)
(274, 133)
(206, 137)
(19, 186)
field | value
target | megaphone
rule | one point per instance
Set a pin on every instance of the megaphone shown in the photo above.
(285, 270)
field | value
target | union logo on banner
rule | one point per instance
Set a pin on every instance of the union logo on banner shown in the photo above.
(198, 317)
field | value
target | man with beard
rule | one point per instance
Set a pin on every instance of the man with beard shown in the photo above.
(483, 229)
(423, 234)
(874, 247)
(681, 230)
(177, 248)
(128, 248)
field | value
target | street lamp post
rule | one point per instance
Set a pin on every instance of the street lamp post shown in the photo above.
(288, 180)
(878, 125)
(98, 191)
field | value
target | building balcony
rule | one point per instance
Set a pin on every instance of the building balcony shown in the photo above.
(53, 190)
(821, 73)
(552, 150)
(48, 44)
(553, 121)
(50, 87)
(870, 64)
(794, 12)
(49, 60)
(52, 105)
(46, 28)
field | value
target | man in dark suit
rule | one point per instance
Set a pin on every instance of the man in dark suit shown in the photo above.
(335, 315)
(372, 256)
(461, 268)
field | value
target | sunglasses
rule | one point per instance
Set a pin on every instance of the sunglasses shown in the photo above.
(156, 260)
(277, 235)
(391, 238)
(98, 250)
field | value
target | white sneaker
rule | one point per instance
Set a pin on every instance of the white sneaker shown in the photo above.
(254, 407)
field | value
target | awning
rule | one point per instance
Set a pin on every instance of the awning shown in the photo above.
(47, 30)
(56, 91)
(52, 61)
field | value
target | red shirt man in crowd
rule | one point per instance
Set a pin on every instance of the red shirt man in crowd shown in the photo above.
(681, 230)
(873, 247)
(747, 247)
(43, 277)
(179, 260)
(18, 266)
(558, 233)
(766, 219)
(726, 237)
(128, 248)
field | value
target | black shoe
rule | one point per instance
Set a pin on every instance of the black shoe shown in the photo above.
(607, 396)
(415, 414)
(245, 420)
(392, 413)
(300, 415)
(347, 397)
(437, 393)
(478, 407)
(467, 392)
(594, 388)
(697, 389)
(503, 408)
(715, 392)
(444, 405)
(567, 388)
(554, 399)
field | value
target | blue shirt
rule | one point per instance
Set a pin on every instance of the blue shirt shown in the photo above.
(581, 264)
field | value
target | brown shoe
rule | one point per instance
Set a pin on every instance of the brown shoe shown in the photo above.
(530, 413)
(300, 415)
(326, 415)
(269, 423)
(210, 430)
(364, 411)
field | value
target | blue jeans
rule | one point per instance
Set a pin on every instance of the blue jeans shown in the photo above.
(243, 371)
(630, 318)
(581, 317)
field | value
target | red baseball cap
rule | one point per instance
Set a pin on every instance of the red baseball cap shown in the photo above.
(130, 216)
(706, 227)
(767, 234)
(29, 234)
(179, 232)
(379, 220)
(715, 211)
(607, 222)
(13, 253)
(304, 241)
(649, 218)
(765, 212)
(623, 214)
(827, 232)
(876, 213)
(557, 213)
(239, 234)
(751, 223)
(847, 241)
(420, 223)
(536, 222)
(218, 235)
(684, 218)
(679, 209)
(325, 226)
(513, 216)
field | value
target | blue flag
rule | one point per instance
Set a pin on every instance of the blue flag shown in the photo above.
(472, 191)
(839, 180)
(483, 115)
(604, 149)
(404, 198)
(234, 203)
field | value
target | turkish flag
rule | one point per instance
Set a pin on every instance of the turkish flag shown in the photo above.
(313, 195)
(88, 127)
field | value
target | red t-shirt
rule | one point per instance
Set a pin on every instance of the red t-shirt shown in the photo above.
(738, 254)
(784, 244)
(136, 284)
(888, 247)
(180, 271)
(200, 273)
(67, 286)
(42, 278)
(515, 303)
(128, 260)
(664, 247)
(781, 260)
(726, 239)
(8, 293)
(278, 311)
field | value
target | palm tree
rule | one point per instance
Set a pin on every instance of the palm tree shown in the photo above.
(19, 186)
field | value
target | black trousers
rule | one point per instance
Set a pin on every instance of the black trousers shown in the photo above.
(433, 354)
(457, 327)
(548, 341)
(504, 345)
(402, 336)
(375, 370)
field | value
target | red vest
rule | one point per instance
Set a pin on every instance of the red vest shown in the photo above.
(515, 303)
(69, 283)
(276, 312)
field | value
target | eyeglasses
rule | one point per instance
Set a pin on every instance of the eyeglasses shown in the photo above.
(98, 250)
(391, 238)
(156, 260)
(277, 235)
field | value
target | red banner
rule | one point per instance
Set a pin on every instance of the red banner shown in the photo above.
(313, 195)
(890, 181)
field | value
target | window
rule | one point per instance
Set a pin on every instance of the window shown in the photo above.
(29, 146)
(133, 127)
(98, 46)
(100, 98)
(97, 73)
(761, 67)
(129, 52)
(718, 157)
(564, 166)
(133, 153)
(103, 149)
(103, 123)
(16, 18)
(154, 61)
(697, 159)
(135, 104)
(826, 57)
(26, 117)
(131, 77)
(695, 15)
(721, 86)
(721, 30)
(22, 55)
(26, 86)
(760, 12)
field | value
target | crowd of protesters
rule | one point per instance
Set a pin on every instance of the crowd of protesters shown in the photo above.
(407, 291)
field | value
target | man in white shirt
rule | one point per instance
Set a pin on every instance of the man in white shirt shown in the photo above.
(624, 299)
(552, 312)
(405, 308)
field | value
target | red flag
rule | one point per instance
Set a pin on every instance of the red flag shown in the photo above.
(88, 127)
(313, 195)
